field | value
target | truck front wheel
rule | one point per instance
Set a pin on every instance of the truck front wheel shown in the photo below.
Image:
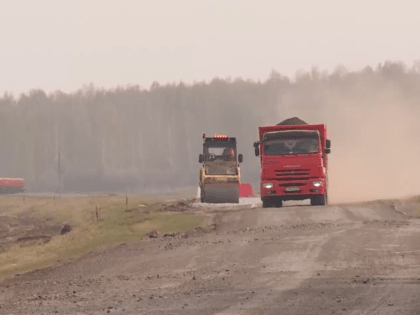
(278, 203)
(267, 204)
(319, 200)
(272, 203)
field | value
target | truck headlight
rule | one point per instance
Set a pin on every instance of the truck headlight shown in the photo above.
(317, 183)
(268, 185)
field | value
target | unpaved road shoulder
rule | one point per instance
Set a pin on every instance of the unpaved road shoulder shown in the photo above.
(355, 259)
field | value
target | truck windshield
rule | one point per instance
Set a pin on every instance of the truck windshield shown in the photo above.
(291, 146)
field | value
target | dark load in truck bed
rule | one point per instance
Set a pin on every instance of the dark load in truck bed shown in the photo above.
(292, 122)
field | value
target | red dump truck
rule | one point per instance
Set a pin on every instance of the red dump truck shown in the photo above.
(294, 162)
(12, 185)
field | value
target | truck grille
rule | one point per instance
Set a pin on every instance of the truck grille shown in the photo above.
(294, 184)
(298, 174)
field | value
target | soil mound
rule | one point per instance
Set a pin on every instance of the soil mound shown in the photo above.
(292, 121)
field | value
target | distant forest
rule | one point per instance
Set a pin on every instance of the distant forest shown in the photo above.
(139, 140)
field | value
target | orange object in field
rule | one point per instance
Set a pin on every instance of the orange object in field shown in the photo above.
(245, 190)
(11, 182)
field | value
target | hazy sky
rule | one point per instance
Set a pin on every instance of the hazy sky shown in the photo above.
(52, 44)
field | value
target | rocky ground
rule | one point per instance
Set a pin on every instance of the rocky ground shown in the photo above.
(337, 259)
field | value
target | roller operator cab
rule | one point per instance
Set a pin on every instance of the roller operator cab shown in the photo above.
(294, 162)
(220, 173)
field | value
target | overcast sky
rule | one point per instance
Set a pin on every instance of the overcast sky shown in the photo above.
(53, 45)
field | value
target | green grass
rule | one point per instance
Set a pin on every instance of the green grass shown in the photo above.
(115, 225)
(416, 199)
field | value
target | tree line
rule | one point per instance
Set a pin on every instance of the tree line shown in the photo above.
(136, 140)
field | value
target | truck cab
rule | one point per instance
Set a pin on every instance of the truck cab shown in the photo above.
(220, 173)
(294, 163)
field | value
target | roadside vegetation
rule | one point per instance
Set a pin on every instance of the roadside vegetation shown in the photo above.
(92, 222)
(416, 201)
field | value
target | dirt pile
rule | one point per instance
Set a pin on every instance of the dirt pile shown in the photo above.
(292, 122)
(178, 206)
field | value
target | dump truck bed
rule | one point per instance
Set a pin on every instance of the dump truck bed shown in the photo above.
(321, 128)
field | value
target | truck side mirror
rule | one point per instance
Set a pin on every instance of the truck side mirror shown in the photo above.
(327, 151)
(200, 158)
(240, 158)
(257, 150)
(328, 144)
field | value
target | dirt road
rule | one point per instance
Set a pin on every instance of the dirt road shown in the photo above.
(354, 259)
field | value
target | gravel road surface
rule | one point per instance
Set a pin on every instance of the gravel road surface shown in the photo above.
(337, 259)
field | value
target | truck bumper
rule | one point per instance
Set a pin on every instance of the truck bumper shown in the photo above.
(293, 190)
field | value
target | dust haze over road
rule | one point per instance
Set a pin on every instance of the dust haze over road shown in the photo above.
(372, 117)
(373, 125)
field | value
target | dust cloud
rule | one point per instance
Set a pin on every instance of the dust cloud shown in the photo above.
(373, 124)
(137, 140)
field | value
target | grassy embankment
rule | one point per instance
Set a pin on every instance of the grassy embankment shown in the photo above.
(416, 201)
(114, 225)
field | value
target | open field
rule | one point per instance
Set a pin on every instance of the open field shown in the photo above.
(38, 231)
